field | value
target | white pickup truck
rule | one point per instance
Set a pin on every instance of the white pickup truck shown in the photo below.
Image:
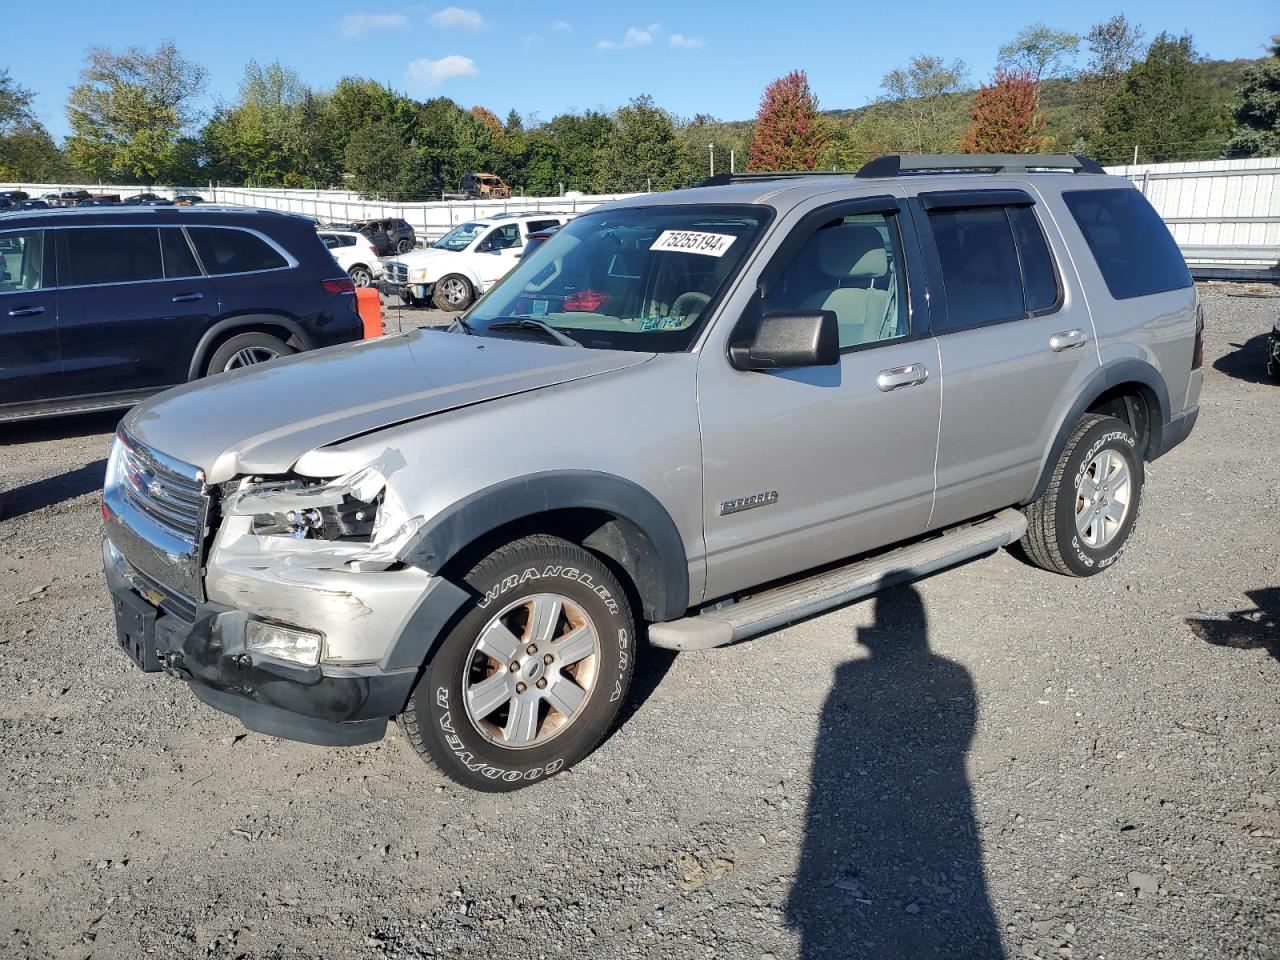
(466, 261)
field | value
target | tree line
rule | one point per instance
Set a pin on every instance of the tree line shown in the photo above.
(135, 116)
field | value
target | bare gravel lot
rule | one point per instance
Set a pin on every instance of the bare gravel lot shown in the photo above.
(995, 762)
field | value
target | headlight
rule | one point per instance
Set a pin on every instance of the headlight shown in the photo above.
(341, 509)
(419, 275)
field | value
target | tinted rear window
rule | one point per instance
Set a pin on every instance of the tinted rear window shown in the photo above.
(226, 251)
(1133, 248)
(178, 259)
(1039, 279)
(109, 255)
(979, 265)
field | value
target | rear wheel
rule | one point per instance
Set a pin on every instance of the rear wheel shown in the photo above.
(532, 675)
(404, 245)
(360, 275)
(1081, 523)
(453, 292)
(246, 350)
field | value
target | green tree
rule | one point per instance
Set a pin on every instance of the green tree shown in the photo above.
(1164, 107)
(380, 163)
(645, 149)
(27, 152)
(1041, 51)
(1114, 46)
(132, 110)
(925, 91)
(1257, 130)
(579, 139)
(789, 133)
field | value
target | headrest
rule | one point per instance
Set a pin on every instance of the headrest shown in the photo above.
(852, 250)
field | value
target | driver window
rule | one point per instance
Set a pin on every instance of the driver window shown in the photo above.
(505, 237)
(22, 261)
(851, 266)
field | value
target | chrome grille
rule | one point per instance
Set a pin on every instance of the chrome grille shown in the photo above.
(397, 272)
(162, 489)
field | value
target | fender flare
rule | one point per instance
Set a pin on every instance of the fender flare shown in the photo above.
(659, 566)
(205, 346)
(1112, 374)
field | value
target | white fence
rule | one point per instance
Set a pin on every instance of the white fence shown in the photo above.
(1225, 214)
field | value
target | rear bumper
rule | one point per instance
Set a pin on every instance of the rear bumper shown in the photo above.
(339, 706)
(1175, 431)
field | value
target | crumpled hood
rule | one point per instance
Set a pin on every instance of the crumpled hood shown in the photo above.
(262, 419)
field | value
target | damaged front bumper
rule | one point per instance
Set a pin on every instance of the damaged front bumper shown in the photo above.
(327, 704)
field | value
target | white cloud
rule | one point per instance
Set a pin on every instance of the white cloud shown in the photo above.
(560, 26)
(456, 18)
(425, 74)
(634, 37)
(681, 42)
(358, 24)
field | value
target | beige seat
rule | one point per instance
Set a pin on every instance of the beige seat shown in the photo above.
(851, 257)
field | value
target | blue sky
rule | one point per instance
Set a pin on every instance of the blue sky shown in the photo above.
(542, 57)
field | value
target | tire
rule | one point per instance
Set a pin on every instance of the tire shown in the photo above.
(360, 275)
(1056, 540)
(478, 741)
(1273, 369)
(247, 349)
(453, 292)
(404, 245)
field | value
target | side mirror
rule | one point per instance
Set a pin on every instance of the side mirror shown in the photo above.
(806, 338)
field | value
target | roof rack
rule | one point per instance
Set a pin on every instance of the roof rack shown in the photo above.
(895, 164)
(724, 179)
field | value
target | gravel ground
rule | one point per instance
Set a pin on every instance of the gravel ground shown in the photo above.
(994, 762)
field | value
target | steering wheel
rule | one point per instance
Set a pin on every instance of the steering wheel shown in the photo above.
(690, 304)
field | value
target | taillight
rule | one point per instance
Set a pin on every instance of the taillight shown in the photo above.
(1197, 352)
(339, 286)
(586, 301)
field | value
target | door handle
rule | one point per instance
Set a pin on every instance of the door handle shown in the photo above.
(1066, 340)
(907, 376)
(188, 297)
(26, 311)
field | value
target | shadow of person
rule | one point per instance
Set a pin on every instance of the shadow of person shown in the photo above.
(892, 864)
(1247, 361)
(1245, 629)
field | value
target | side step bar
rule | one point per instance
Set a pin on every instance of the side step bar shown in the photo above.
(798, 599)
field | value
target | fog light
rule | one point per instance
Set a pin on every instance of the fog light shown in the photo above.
(282, 643)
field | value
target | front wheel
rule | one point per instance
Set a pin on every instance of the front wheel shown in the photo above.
(1081, 523)
(532, 675)
(453, 292)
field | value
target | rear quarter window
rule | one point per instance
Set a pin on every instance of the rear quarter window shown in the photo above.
(228, 250)
(1133, 248)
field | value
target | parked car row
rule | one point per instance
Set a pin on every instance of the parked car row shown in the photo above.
(21, 200)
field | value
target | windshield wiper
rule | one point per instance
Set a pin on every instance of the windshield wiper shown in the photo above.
(528, 323)
(467, 328)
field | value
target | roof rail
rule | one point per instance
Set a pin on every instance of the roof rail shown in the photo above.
(895, 164)
(724, 179)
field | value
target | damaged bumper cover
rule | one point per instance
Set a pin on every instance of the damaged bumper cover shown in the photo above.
(319, 704)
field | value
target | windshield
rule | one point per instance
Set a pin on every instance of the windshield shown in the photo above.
(460, 237)
(638, 278)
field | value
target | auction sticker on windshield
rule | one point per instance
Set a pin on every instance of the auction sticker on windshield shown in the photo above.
(694, 241)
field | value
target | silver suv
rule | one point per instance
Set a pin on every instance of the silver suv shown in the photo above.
(700, 415)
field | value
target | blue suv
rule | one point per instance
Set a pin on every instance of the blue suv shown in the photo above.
(102, 307)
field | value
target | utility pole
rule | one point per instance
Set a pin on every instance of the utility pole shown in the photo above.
(712, 148)
(731, 170)
(1135, 154)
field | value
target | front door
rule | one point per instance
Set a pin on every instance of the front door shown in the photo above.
(499, 252)
(806, 466)
(30, 366)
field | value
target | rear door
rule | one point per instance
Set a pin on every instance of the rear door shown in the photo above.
(132, 304)
(30, 365)
(1016, 343)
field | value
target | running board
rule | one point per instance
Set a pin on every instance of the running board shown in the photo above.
(798, 599)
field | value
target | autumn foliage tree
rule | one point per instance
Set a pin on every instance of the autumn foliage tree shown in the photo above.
(789, 133)
(1006, 115)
